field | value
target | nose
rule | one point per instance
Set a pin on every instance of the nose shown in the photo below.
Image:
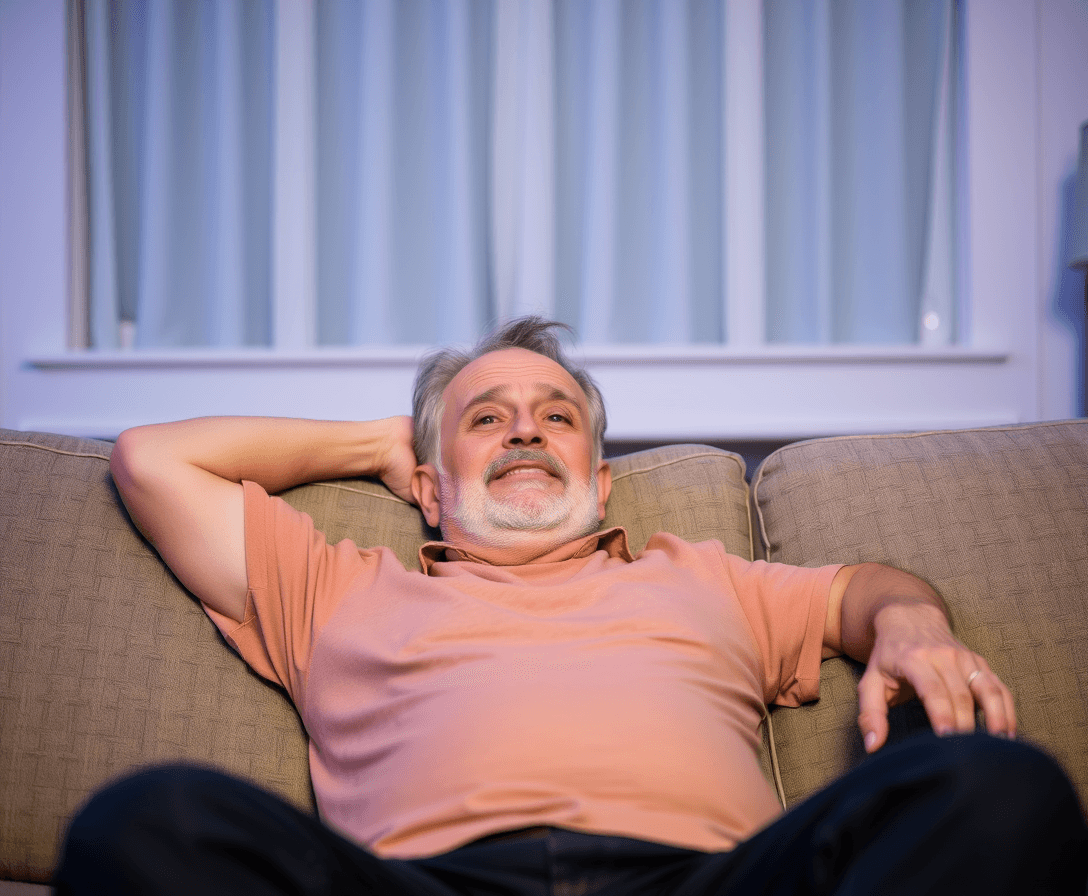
(524, 431)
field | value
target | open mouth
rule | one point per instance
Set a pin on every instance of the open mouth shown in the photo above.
(523, 463)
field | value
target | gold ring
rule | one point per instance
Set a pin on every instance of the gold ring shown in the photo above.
(973, 676)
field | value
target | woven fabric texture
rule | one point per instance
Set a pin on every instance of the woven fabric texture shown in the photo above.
(694, 491)
(106, 662)
(995, 519)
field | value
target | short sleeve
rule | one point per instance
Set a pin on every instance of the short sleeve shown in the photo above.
(786, 607)
(295, 581)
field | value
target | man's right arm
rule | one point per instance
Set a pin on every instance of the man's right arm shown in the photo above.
(181, 483)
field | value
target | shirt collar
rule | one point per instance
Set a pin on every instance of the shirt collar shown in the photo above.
(613, 541)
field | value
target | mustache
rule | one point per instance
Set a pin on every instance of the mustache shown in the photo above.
(531, 455)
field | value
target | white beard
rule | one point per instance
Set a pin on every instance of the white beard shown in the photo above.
(530, 510)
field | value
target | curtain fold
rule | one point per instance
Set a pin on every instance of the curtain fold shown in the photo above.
(860, 192)
(475, 159)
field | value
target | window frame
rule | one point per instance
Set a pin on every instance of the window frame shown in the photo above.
(744, 391)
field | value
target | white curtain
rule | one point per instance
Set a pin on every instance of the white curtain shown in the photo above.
(860, 203)
(292, 174)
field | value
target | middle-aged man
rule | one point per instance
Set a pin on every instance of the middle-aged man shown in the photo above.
(534, 710)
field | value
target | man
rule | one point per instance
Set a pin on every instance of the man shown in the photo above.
(534, 710)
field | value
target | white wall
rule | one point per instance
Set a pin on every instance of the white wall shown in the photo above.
(1063, 106)
(33, 264)
(1028, 65)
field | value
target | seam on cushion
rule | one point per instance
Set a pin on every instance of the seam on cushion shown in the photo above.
(724, 455)
(772, 750)
(748, 515)
(358, 491)
(883, 436)
(336, 485)
(764, 540)
(53, 450)
(720, 455)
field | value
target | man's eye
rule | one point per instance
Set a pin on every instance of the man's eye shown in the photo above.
(558, 418)
(485, 420)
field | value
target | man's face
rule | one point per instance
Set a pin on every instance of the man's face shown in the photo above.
(517, 471)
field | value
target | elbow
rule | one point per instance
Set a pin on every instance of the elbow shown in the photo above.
(129, 460)
(121, 459)
(132, 466)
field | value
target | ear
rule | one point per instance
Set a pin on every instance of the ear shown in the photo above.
(604, 487)
(425, 491)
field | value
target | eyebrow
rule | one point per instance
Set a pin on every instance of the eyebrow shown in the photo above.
(495, 393)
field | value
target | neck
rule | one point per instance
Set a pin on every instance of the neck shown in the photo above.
(511, 547)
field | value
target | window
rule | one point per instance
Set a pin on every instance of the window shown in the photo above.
(744, 387)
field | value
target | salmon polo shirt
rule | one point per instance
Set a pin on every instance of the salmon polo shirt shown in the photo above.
(589, 690)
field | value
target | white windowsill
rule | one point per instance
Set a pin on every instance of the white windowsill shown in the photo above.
(593, 356)
(654, 393)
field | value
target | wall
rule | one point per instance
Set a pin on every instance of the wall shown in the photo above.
(33, 264)
(1062, 106)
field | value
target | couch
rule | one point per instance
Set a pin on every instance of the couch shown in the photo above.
(107, 664)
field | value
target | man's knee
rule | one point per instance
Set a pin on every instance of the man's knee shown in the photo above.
(145, 797)
(1013, 799)
(984, 789)
(1008, 775)
(988, 814)
(131, 824)
(158, 808)
(1019, 803)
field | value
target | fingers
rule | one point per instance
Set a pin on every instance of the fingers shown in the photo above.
(952, 686)
(951, 690)
(973, 685)
(873, 697)
(995, 700)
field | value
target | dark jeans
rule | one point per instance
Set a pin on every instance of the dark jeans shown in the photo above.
(958, 815)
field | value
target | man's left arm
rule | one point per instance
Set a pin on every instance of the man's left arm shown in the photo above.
(898, 625)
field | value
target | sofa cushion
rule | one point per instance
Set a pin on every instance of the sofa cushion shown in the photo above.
(995, 519)
(691, 490)
(106, 663)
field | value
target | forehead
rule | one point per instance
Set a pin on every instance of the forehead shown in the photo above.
(513, 370)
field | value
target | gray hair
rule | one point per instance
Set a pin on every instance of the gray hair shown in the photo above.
(438, 368)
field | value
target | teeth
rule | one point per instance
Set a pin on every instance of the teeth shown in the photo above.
(524, 471)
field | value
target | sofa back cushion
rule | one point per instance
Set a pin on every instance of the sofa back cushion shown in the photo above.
(694, 491)
(995, 519)
(106, 663)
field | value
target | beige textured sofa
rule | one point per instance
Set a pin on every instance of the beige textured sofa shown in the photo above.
(107, 664)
